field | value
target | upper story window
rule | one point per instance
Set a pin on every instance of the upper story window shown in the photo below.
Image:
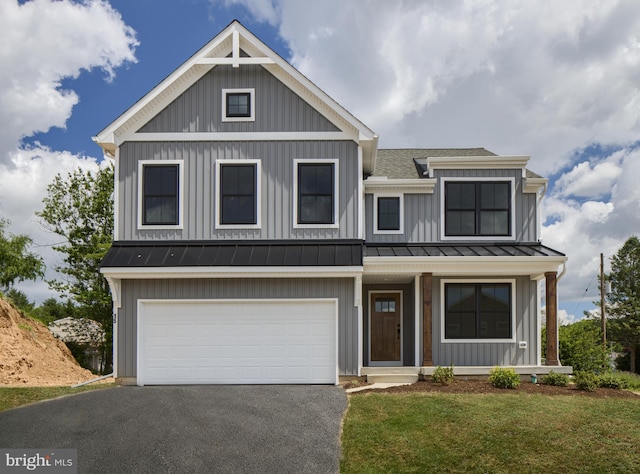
(160, 194)
(238, 105)
(315, 193)
(478, 208)
(478, 311)
(388, 214)
(238, 185)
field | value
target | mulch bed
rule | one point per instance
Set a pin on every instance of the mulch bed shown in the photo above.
(482, 386)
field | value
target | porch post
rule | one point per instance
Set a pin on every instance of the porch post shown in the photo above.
(552, 318)
(427, 320)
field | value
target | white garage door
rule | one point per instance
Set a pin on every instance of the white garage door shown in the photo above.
(237, 342)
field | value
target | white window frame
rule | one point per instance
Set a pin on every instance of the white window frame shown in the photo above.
(252, 105)
(400, 196)
(512, 216)
(218, 200)
(336, 197)
(141, 165)
(509, 340)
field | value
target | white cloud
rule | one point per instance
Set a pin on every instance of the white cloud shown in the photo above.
(42, 43)
(587, 181)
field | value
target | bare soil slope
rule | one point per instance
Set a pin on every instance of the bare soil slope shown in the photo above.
(31, 356)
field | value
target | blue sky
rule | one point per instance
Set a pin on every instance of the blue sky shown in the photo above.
(557, 81)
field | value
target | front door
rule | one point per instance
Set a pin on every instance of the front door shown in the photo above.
(386, 328)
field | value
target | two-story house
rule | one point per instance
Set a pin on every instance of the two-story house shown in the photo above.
(262, 237)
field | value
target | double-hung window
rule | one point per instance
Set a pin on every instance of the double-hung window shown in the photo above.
(238, 191)
(478, 208)
(160, 194)
(478, 311)
(387, 217)
(316, 194)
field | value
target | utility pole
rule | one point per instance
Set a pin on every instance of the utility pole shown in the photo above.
(603, 319)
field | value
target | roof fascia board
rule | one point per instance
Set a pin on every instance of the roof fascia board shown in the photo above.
(476, 162)
(534, 185)
(137, 273)
(450, 266)
(412, 186)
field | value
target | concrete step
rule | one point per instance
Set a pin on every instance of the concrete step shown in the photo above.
(392, 378)
(390, 370)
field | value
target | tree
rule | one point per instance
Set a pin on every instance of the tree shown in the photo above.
(580, 346)
(79, 208)
(16, 262)
(623, 306)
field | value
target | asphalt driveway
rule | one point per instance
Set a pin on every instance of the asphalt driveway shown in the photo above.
(219, 428)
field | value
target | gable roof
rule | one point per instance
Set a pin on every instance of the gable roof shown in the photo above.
(410, 163)
(235, 46)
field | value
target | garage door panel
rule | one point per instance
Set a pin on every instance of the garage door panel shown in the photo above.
(292, 341)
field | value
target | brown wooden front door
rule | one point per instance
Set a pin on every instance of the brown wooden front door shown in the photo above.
(385, 327)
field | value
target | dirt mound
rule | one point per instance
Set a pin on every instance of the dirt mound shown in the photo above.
(31, 356)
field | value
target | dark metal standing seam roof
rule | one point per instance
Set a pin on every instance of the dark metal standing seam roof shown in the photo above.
(461, 250)
(234, 254)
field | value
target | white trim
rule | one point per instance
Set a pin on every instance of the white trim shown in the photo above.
(141, 165)
(510, 340)
(235, 62)
(539, 322)
(136, 273)
(475, 163)
(140, 321)
(375, 184)
(116, 195)
(357, 283)
(400, 197)
(463, 266)
(218, 190)
(467, 238)
(252, 105)
(361, 208)
(391, 363)
(417, 313)
(233, 136)
(336, 193)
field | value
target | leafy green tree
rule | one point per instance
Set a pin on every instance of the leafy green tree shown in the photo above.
(79, 208)
(623, 306)
(16, 262)
(20, 300)
(580, 346)
(51, 309)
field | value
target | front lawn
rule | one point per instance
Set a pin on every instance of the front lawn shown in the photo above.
(434, 432)
(12, 397)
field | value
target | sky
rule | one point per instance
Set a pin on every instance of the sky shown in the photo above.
(556, 81)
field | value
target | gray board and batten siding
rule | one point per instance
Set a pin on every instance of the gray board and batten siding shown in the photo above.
(422, 212)
(490, 354)
(277, 164)
(277, 108)
(240, 289)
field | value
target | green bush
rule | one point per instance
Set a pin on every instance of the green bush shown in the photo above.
(587, 381)
(557, 380)
(612, 381)
(632, 380)
(443, 375)
(504, 378)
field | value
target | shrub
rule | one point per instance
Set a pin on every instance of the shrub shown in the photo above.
(557, 380)
(612, 381)
(443, 375)
(504, 378)
(587, 381)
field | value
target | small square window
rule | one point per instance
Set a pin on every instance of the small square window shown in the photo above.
(238, 105)
(387, 217)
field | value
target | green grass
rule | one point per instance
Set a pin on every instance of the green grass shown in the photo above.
(490, 433)
(12, 397)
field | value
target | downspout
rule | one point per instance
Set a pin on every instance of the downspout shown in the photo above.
(92, 380)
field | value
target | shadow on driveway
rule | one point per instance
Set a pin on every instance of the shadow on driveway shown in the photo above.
(209, 428)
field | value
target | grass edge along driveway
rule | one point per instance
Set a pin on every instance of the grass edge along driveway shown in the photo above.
(490, 433)
(13, 397)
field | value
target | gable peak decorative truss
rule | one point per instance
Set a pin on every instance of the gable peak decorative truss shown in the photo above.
(227, 48)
